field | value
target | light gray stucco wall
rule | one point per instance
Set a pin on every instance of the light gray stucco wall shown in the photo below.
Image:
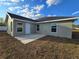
(63, 29)
(32, 27)
(9, 26)
(15, 28)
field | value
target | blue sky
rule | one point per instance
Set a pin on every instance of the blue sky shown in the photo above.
(39, 8)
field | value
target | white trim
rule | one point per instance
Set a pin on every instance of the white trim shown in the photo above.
(57, 20)
(17, 26)
(74, 17)
(47, 20)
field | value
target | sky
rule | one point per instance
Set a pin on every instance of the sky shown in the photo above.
(39, 8)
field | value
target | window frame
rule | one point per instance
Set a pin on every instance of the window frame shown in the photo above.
(54, 28)
(19, 26)
(38, 27)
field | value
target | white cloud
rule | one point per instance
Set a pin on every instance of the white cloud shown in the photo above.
(14, 8)
(15, 0)
(52, 15)
(2, 0)
(52, 2)
(9, 2)
(25, 6)
(30, 13)
(38, 8)
(5, 3)
(49, 15)
(22, 0)
(11, 8)
(25, 11)
(18, 8)
(38, 15)
(77, 12)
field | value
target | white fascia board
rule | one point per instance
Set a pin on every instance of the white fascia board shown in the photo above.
(9, 16)
(47, 20)
(58, 20)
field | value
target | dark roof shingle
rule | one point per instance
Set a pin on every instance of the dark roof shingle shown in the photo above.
(52, 18)
(40, 19)
(19, 17)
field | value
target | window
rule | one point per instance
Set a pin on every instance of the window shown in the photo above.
(53, 28)
(11, 26)
(37, 27)
(19, 27)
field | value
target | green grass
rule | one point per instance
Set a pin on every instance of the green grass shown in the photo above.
(75, 30)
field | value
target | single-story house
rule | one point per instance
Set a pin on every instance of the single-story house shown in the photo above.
(60, 26)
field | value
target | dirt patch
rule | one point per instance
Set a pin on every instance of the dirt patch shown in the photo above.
(45, 48)
(10, 48)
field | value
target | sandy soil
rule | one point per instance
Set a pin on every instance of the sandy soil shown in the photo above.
(45, 48)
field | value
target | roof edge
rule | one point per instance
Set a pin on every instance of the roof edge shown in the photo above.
(18, 16)
(71, 19)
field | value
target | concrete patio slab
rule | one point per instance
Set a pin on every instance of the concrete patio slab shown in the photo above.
(29, 38)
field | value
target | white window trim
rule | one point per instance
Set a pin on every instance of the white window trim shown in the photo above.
(19, 26)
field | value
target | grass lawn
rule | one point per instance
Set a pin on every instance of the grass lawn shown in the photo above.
(75, 30)
(45, 48)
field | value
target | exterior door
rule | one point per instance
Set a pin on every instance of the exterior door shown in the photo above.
(27, 28)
